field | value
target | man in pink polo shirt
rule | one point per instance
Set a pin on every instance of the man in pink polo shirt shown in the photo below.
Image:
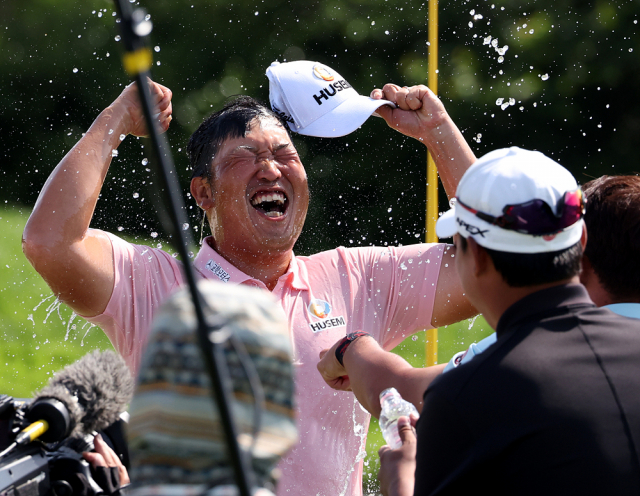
(250, 183)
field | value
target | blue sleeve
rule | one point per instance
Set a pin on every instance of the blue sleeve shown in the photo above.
(473, 350)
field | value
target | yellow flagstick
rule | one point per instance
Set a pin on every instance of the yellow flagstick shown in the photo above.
(431, 345)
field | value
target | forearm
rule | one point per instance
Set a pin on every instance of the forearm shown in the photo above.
(64, 208)
(371, 370)
(450, 152)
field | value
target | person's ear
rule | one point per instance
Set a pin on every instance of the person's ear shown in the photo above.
(583, 238)
(202, 192)
(480, 257)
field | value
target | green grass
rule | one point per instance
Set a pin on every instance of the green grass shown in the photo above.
(39, 336)
(36, 335)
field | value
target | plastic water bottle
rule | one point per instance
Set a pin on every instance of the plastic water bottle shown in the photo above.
(393, 407)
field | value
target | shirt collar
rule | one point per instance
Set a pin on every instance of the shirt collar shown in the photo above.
(557, 298)
(212, 265)
(297, 274)
(631, 310)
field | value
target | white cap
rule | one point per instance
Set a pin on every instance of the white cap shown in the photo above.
(509, 176)
(317, 101)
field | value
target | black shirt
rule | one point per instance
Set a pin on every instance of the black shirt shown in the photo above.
(553, 407)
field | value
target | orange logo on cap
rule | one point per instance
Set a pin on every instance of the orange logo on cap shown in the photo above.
(322, 72)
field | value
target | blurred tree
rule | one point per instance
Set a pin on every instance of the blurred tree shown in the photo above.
(555, 75)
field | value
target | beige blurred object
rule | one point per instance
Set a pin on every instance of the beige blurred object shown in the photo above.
(176, 440)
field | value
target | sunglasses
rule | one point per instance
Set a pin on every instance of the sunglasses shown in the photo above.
(536, 217)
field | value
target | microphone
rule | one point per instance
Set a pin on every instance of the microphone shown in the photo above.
(85, 396)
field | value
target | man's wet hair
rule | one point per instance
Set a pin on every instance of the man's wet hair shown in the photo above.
(231, 121)
(530, 269)
(613, 228)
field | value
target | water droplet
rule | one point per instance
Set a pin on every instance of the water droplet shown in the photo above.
(185, 226)
(110, 131)
(544, 77)
(389, 209)
(75, 69)
(136, 195)
(499, 101)
(145, 161)
(154, 234)
(156, 48)
(120, 228)
(117, 38)
(122, 137)
(114, 153)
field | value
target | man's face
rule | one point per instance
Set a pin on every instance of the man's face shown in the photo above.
(260, 192)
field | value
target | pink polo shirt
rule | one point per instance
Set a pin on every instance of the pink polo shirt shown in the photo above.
(388, 292)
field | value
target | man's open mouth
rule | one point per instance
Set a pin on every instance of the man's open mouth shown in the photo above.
(272, 204)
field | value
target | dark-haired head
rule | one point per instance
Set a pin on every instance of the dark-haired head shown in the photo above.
(232, 121)
(613, 224)
(530, 269)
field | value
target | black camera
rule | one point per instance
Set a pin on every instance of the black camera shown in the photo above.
(40, 468)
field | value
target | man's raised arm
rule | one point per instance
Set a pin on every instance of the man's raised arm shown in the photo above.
(75, 261)
(421, 115)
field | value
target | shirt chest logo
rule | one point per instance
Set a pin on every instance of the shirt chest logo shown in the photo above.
(218, 271)
(321, 309)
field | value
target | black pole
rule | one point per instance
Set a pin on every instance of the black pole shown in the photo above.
(137, 60)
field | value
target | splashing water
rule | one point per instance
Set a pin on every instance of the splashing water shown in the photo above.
(69, 325)
(360, 430)
(91, 326)
(472, 321)
(53, 307)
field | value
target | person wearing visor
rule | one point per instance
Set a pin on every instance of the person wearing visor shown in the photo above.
(552, 407)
